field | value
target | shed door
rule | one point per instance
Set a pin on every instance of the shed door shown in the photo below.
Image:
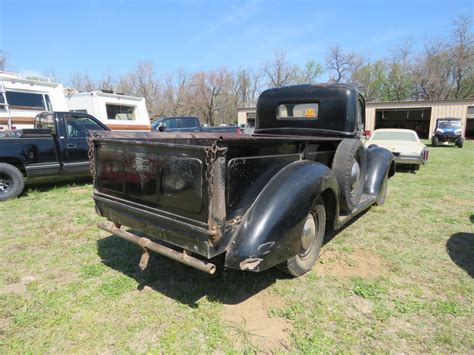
(417, 120)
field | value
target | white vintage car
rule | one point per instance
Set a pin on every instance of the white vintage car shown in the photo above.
(404, 145)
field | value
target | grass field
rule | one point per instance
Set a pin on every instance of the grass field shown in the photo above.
(399, 279)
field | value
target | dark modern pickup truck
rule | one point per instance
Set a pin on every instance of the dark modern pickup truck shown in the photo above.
(189, 124)
(263, 200)
(56, 146)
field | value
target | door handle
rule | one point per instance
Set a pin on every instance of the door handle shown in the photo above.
(71, 145)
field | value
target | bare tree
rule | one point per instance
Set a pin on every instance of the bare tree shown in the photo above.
(433, 72)
(108, 82)
(462, 58)
(398, 84)
(245, 86)
(82, 82)
(126, 84)
(341, 64)
(309, 72)
(4, 58)
(278, 71)
(209, 93)
(147, 85)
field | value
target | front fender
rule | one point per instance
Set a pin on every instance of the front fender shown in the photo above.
(270, 230)
(380, 163)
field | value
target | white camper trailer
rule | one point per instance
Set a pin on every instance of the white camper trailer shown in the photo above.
(117, 111)
(22, 98)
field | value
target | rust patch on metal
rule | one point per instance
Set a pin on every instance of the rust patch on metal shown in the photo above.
(250, 263)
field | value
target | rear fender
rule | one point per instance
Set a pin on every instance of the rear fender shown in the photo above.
(380, 163)
(269, 232)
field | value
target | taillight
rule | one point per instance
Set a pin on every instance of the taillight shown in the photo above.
(239, 131)
(425, 155)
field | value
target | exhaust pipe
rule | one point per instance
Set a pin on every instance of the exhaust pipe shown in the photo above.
(147, 244)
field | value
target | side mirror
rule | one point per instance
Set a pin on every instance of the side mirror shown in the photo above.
(161, 126)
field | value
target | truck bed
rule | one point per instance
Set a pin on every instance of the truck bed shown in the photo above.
(187, 188)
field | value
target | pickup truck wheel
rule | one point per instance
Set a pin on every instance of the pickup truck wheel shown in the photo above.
(11, 181)
(434, 141)
(349, 166)
(311, 241)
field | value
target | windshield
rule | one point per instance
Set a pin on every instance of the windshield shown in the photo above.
(394, 136)
(449, 124)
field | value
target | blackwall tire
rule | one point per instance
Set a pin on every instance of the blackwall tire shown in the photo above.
(349, 166)
(434, 141)
(311, 241)
(11, 182)
(460, 142)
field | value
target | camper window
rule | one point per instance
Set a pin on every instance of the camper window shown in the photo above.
(120, 112)
(26, 100)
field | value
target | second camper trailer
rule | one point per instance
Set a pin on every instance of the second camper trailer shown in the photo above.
(117, 111)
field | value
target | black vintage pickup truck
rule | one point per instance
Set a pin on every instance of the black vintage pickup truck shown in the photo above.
(56, 146)
(262, 200)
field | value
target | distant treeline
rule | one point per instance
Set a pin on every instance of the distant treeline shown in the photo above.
(443, 70)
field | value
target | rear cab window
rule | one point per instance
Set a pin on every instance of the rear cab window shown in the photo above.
(298, 111)
(46, 121)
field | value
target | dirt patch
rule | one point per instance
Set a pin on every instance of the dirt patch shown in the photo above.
(249, 322)
(4, 323)
(357, 263)
(18, 287)
(458, 201)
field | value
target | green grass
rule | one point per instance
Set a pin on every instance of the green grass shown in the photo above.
(395, 280)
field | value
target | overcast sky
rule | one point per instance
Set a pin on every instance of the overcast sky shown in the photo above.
(112, 36)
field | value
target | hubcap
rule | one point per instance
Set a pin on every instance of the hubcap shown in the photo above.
(4, 184)
(355, 175)
(308, 236)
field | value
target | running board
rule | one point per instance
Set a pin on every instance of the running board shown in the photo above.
(365, 202)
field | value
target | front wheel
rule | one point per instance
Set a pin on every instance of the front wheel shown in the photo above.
(11, 181)
(460, 142)
(311, 242)
(434, 141)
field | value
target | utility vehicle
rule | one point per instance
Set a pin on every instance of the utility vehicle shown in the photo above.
(448, 130)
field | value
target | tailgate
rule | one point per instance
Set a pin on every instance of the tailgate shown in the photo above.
(170, 189)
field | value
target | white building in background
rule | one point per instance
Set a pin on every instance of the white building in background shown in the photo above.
(117, 111)
(420, 116)
(22, 98)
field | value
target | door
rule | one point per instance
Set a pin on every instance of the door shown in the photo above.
(74, 143)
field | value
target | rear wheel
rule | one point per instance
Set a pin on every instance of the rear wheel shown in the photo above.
(434, 141)
(349, 167)
(11, 181)
(311, 242)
